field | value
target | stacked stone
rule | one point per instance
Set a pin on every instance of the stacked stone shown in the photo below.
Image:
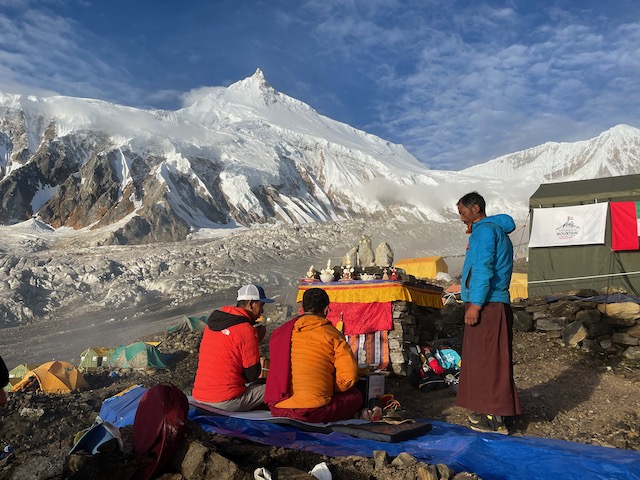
(612, 328)
(412, 325)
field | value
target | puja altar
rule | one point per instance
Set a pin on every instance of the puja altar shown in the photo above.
(381, 317)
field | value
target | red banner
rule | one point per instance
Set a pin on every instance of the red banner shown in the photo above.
(624, 226)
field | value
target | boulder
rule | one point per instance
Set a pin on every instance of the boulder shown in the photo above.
(589, 316)
(621, 314)
(522, 321)
(599, 329)
(574, 333)
(624, 339)
(634, 331)
(565, 308)
(551, 324)
(632, 353)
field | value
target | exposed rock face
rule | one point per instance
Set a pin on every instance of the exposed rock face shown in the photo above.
(85, 163)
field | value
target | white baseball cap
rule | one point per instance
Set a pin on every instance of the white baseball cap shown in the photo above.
(253, 292)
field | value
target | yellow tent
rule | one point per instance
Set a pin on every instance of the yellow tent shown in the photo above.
(53, 377)
(425, 267)
(518, 287)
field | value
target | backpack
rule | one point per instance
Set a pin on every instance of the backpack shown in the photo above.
(421, 375)
(159, 427)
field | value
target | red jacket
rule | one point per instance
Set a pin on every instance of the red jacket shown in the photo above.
(229, 356)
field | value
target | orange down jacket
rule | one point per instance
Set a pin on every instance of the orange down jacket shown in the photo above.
(322, 363)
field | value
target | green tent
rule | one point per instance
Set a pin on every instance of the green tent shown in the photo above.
(559, 269)
(190, 324)
(17, 373)
(95, 357)
(137, 355)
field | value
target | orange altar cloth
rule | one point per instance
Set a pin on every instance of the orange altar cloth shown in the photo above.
(366, 307)
(366, 310)
(356, 291)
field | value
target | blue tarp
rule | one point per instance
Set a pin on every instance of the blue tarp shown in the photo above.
(120, 410)
(491, 456)
(613, 298)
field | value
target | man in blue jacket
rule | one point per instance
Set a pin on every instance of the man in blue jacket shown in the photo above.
(486, 377)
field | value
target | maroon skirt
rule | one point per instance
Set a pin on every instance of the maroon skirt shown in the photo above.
(486, 375)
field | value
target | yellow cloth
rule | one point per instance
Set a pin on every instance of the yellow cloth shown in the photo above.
(519, 286)
(370, 292)
(321, 363)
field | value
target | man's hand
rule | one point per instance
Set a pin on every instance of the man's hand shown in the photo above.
(472, 315)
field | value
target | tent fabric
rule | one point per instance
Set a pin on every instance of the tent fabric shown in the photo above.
(95, 357)
(560, 269)
(18, 372)
(137, 355)
(518, 287)
(189, 324)
(424, 267)
(54, 377)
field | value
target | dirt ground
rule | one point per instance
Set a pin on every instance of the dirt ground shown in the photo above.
(566, 394)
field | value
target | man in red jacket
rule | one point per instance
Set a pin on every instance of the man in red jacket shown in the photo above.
(229, 359)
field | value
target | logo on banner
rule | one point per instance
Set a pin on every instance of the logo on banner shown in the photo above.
(568, 230)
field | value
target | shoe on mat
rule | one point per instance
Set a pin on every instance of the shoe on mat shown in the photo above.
(474, 418)
(491, 424)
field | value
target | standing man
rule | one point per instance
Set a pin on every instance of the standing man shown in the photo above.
(486, 377)
(229, 358)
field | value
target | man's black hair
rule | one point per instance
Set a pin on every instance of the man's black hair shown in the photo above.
(473, 198)
(244, 304)
(315, 300)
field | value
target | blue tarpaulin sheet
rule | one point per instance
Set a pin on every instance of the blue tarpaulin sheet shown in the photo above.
(120, 410)
(491, 456)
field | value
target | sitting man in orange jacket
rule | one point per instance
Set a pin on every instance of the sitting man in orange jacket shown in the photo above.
(312, 370)
(229, 358)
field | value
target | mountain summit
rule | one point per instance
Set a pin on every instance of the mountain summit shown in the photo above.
(246, 155)
(241, 155)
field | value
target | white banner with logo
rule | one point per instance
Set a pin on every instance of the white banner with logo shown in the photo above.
(562, 226)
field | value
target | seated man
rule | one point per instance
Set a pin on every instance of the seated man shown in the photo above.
(312, 371)
(229, 358)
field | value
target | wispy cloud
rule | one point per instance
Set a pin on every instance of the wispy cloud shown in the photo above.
(456, 82)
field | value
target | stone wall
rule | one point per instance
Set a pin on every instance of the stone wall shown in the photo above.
(611, 329)
(412, 325)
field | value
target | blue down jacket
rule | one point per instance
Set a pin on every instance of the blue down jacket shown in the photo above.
(488, 264)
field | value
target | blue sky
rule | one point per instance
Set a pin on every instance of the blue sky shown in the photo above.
(456, 82)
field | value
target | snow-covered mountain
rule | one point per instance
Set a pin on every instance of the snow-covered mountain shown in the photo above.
(241, 155)
(246, 155)
(612, 153)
